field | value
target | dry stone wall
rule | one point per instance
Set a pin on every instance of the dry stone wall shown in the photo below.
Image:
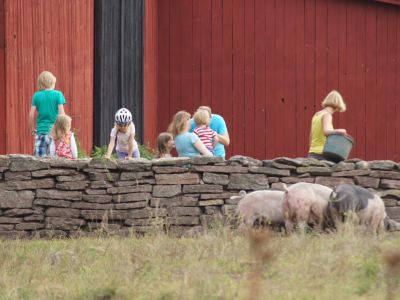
(61, 198)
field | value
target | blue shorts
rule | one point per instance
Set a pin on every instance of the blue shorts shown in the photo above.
(42, 145)
(123, 155)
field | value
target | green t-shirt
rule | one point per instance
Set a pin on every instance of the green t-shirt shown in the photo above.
(46, 103)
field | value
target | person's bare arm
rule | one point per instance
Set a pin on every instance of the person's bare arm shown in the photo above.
(202, 149)
(328, 126)
(61, 110)
(215, 140)
(31, 119)
(224, 139)
(130, 146)
(110, 148)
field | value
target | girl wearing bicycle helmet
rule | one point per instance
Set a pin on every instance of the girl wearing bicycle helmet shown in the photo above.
(122, 136)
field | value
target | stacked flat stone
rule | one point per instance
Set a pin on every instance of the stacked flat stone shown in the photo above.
(65, 198)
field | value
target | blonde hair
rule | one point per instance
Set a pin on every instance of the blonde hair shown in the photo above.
(46, 80)
(61, 127)
(201, 117)
(162, 139)
(206, 108)
(178, 123)
(334, 100)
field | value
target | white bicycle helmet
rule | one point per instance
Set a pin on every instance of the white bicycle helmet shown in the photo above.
(123, 117)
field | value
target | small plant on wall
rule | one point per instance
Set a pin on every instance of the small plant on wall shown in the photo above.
(145, 152)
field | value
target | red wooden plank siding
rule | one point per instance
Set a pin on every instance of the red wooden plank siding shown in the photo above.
(279, 118)
(350, 94)
(216, 56)
(290, 78)
(176, 48)
(3, 114)
(309, 70)
(397, 108)
(238, 78)
(321, 54)
(266, 66)
(150, 72)
(196, 56)
(271, 116)
(227, 67)
(206, 46)
(259, 79)
(391, 84)
(186, 56)
(48, 35)
(301, 120)
(333, 36)
(249, 44)
(382, 27)
(163, 105)
(360, 82)
(371, 98)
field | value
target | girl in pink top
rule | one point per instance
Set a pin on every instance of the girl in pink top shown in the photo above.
(63, 141)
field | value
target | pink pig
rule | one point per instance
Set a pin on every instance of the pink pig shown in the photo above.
(260, 208)
(305, 203)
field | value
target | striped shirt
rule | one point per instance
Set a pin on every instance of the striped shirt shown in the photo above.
(206, 135)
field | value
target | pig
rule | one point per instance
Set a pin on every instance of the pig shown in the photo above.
(368, 207)
(260, 208)
(305, 204)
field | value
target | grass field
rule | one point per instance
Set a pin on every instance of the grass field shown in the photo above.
(218, 264)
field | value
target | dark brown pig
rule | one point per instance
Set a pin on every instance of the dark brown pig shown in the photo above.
(368, 207)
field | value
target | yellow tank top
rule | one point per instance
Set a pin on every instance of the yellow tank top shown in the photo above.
(317, 136)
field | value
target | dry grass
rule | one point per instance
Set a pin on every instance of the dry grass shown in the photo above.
(216, 265)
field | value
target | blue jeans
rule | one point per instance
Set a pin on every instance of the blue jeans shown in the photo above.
(42, 145)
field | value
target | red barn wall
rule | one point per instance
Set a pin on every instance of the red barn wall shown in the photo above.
(150, 119)
(266, 65)
(54, 35)
(2, 81)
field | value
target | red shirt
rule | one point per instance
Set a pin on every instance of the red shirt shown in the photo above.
(206, 135)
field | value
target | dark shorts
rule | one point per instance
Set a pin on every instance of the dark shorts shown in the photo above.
(42, 145)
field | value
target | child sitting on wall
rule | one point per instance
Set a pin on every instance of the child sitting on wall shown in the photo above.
(63, 141)
(165, 143)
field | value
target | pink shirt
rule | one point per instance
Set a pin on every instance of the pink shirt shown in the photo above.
(123, 138)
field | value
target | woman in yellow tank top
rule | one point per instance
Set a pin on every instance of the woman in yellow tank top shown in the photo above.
(321, 124)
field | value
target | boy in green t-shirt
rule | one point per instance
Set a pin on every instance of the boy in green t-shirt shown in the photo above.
(48, 103)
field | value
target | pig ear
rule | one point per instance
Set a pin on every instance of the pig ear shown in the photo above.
(333, 196)
(285, 189)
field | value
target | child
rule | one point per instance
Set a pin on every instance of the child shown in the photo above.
(123, 135)
(49, 103)
(63, 141)
(208, 136)
(165, 143)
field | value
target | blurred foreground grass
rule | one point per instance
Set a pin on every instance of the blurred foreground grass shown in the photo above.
(213, 265)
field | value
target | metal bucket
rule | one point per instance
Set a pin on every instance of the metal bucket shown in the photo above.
(337, 147)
